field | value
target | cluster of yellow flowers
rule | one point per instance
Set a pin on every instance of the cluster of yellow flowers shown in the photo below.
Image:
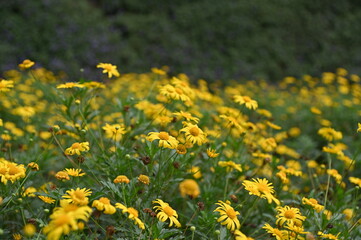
(161, 150)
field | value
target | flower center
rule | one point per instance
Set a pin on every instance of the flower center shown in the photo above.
(133, 211)
(13, 170)
(62, 220)
(194, 131)
(104, 200)
(262, 188)
(289, 214)
(246, 98)
(79, 194)
(75, 146)
(179, 91)
(163, 136)
(231, 213)
(168, 210)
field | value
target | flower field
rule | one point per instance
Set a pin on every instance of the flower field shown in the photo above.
(154, 156)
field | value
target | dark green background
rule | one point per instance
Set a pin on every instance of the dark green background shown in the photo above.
(208, 39)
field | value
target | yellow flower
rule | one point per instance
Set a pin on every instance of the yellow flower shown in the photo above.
(74, 172)
(34, 166)
(330, 134)
(261, 188)
(165, 140)
(241, 236)
(181, 149)
(65, 219)
(78, 196)
(272, 125)
(121, 179)
(29, 230)
(250, 103)
(349, 214)
(26, 64)
(133, 214)
(144, 179)
(230, 165)
(187, 116)
(17, 236)
(174, 93)
(29, 192)
(279, 234)
(62, 175)
(189, 187)
(77, 148)
(6, 85)
(334, 173)
(194, 134)
(164, 212)
(228, 216)
(103, 204)
(288, 214)
(355, 180)
(358, 127)
(70, 85)
(313, 203)
(196, 171)
(46, 199)
(110, 69)
(212, 153)
(328, 235)
(114, 131)
(11, 171)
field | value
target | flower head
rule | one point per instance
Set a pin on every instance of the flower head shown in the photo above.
(261, 188)
(5, 85)
(313, 203)
(230, 165)
(212, 153)
(194, 134)
(74, 172)
(165, 140)
(288, 214)
(70, 85)
(228, 216)
(78, 196)
(249, 102)
(121, 179)
(114, 131)
(26, 64)
(189, 187)
(133, 214)
(103, 204)
(330, 134)
(164, 212)
(77, 148)
(144, 179)
(65, 219)
(110, 69)
(62, 175)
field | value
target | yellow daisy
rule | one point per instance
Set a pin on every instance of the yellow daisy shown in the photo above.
(166, 212)
(77, 148)
(194, 134)
(110, 69)
(46, 199)
(249, 102)
(78, 196)
(261, 188)
(103, 204)
(121, 179)
(228, 216)
(230, 165)
(313, 203)
(133, 214)
(165, 140)
(189, 187)
(290, 215)
(74, 172)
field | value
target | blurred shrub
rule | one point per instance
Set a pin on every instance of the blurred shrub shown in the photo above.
(233, 39)
(60, 35)
(205, 39)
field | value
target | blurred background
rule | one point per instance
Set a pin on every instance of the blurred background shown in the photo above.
(208, 39)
